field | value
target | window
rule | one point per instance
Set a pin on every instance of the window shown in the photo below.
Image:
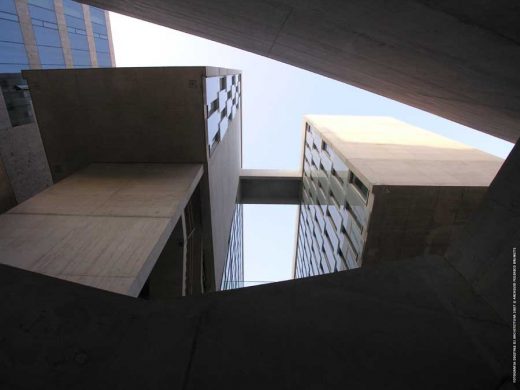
(76, 23)
(8, 6)
(104, 60)
(325, 147)
(13, 53)
(78, 41)
(99, 29)
(47, 36)
(81, 58)
(358, 184)
(335, 174)
(42, 14)
(42, 3)
(10, 31)
(352, 215)
(101, 45)
(51, 56)
(72, 8)
(97, 15)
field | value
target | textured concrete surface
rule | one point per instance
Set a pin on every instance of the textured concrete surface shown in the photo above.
(22, 151)
(7, 199)
(401, 326)
(484, 251)
(455, 60)
(104, 226)
(5, 121)
(386, 151)
(408, 221)
(119, 115)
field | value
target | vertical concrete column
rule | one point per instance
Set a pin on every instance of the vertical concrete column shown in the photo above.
(22, 9)
(110, 40)
(64, 36)
(184, 252)
(90, 36)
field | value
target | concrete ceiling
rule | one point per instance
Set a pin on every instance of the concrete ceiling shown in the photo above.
(450, 58)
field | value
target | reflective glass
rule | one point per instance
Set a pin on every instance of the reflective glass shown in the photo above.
(8, 16)
(75, 22)
(46, 36)
(8, 6)
(81, 58)
(13, 53)
(102, 45)
(97, 16)
(10, 31)
(72, 8)
(104, 60)
(42, 3)
(78, 41)
(42, 14)
(98, 28)
(51, 55)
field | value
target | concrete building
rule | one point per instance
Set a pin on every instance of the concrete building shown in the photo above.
(40, 34)
(436, 322)
(376, 189)
(145, 191)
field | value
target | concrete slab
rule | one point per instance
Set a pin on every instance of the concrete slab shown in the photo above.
(104, 227)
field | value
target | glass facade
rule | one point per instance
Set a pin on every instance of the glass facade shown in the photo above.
(43, 26)
(333, 213)
(77, 34)
(38, 37)
(13, 56)
(233, 276)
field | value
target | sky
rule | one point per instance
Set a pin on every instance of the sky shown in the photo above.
(275, 97)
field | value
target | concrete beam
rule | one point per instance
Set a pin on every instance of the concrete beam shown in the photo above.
(261, 186)
(444, 57)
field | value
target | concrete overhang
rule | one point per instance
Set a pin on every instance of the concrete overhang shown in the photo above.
(457, 61)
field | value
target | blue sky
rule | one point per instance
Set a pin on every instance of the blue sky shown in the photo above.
(275, 98)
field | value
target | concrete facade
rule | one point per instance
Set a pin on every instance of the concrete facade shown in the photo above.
(376, 189)
(454, 60)
(188, 122)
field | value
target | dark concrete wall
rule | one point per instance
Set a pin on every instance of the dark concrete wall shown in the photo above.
(483, 254)
(412, 325)
(453, 59)
(22, 151)
(7, 199)
(409, 221)
(119, 115)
